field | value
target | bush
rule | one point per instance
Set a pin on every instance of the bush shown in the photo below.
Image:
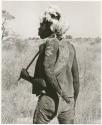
(68, 36)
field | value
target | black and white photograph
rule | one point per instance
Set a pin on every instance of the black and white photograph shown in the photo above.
(51, 62)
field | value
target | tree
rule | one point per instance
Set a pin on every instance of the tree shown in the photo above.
(6, 16)
(69, 37)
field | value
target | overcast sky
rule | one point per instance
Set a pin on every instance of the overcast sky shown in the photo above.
(84, 18)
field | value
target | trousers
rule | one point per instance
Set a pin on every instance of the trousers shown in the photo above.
(48, 107)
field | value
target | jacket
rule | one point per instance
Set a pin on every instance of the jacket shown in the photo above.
(55, 64)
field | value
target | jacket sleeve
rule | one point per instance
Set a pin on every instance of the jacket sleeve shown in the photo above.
(49, 64)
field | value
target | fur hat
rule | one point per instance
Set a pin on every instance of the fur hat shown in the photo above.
(54, 15)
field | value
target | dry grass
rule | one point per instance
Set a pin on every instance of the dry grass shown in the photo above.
(18, 103)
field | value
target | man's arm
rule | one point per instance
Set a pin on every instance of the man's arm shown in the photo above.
(75, 74)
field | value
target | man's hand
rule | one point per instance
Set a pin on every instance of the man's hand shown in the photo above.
(24, 74)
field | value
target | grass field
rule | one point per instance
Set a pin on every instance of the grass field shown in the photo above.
(18, 104)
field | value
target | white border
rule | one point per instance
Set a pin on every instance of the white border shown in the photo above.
(0, 60)
(43, 1)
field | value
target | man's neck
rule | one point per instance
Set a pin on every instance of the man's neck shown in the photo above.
(54, 36)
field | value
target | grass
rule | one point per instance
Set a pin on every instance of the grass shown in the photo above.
(18, 104)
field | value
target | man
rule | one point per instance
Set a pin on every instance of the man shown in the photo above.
(57, 68)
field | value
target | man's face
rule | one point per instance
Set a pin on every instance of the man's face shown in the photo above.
(44, 30)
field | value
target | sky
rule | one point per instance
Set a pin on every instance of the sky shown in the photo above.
(84, 18)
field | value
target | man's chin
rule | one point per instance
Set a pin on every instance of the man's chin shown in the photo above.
(42, 36)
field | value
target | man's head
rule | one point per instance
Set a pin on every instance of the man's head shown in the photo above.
(50, 23)
(44, 29)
